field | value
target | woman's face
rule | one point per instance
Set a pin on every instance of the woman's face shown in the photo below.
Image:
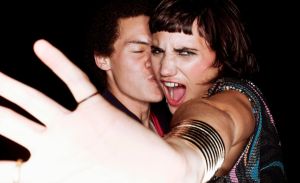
(183, 65)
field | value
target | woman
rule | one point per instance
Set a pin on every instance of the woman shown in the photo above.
(220, 124)
(202, 58)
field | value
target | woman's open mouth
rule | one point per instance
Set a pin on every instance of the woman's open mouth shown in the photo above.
(174, 92)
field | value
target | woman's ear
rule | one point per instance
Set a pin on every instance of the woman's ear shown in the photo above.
(103, 62)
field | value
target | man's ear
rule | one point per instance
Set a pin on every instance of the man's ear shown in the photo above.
(103, 62)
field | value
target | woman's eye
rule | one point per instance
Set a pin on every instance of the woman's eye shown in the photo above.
(155, 51)
(186, 53)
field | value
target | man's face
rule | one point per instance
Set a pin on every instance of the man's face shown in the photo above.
(130, 75)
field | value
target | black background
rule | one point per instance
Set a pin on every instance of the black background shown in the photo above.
(271, 26)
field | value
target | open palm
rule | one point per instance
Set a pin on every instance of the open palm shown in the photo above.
(89, 143)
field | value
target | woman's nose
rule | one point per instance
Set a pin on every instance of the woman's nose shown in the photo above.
(168, 67)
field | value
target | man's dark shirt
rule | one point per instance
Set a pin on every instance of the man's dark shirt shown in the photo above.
(160, 111)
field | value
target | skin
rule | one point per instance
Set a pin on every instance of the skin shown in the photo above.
(113, 149)
(187, 61)
(129, 72)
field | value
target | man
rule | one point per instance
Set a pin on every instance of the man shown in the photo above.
(120, 43)
(120, 46)
(120, 40)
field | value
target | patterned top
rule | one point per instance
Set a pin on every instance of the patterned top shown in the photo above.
(261, 160)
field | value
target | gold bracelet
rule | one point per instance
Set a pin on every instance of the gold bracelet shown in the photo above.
(206, 139)
(17, 176)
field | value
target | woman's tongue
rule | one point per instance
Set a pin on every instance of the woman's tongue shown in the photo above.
(175, 95)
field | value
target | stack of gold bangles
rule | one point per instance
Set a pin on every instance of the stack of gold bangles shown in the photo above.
(206, 139)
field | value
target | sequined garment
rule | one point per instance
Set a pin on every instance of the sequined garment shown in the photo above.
(261, 161)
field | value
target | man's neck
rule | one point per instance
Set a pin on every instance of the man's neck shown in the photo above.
(138, 108)
(145, 117)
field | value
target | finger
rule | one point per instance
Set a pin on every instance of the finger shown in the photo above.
(19, 129)
(74, 78)
(37, 104)
(8, 170)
